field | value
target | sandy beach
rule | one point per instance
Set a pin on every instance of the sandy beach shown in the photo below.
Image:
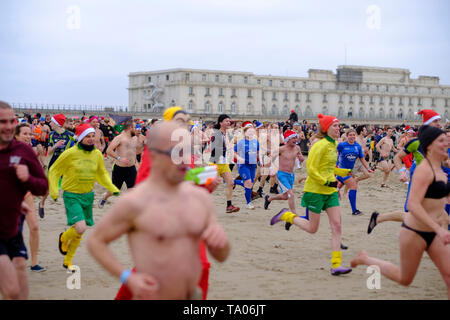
(266, 262)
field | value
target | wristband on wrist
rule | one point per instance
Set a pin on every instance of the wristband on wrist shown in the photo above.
(125, 275)
(118, 158)
(401, 170)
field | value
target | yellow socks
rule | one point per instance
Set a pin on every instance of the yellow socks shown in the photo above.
(336, 259)
(288, 217)
(68, 235)
(73, 245)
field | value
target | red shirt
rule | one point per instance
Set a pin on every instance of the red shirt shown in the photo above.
(12, 190)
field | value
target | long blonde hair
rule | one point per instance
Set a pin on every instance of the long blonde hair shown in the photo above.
(320, 134)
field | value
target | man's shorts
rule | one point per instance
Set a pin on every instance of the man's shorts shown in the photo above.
(124, 174)
(247, 171)
(285, 180)
(13, 247)
(79, 207)
(221, 168)
(342, 179)
(317, 202)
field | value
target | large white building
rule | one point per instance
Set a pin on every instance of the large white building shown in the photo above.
(353, 92)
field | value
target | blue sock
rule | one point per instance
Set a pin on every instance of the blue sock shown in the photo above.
(239, 182)
(352, 198)
(306, 216)
(248, 195)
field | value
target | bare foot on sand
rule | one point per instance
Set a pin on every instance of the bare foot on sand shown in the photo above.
(359, 259)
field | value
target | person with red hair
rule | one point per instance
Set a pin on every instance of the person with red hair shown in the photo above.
(320, 190)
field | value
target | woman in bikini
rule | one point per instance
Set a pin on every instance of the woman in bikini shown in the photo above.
(423, 227)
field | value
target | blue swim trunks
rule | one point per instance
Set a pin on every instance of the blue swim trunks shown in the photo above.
(285, 180)
(342, 179)
(247, 171)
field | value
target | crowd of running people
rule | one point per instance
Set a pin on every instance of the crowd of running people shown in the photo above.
(163, 213)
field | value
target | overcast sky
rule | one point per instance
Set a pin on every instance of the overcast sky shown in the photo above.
(81, 51)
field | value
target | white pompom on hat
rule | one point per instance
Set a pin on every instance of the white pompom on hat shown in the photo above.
(83, 130)
(289, 134)
(428, 115)
(59, 119)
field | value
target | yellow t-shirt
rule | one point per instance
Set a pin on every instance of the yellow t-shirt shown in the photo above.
(320, 166)
(80, 170)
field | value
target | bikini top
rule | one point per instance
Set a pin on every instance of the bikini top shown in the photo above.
(437, 189)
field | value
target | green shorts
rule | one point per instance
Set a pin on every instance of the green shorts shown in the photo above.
(79, 207)
(317, 202)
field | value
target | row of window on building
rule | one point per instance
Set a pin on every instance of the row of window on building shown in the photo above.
(326, 86)
(401, 100)
(307, 111)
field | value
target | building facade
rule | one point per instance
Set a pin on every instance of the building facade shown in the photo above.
(353, 92)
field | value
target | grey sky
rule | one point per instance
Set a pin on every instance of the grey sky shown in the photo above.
(43, 60)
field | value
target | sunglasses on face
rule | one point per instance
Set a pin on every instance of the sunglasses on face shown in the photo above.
(166, 152)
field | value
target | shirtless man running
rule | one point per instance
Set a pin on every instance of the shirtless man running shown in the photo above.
(164, 218)
(361, 139)
(384, 147)
(288, 155)
(45, 131)
(141, 141)
(99, 139)
(123, 150)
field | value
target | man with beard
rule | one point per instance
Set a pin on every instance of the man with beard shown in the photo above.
(123, 150)
(99, 140)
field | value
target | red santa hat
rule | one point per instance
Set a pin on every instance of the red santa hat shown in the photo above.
(92, 118)
(247, 124)
(59, 119)
(429, 115)
(326, 121)
(288, 135)
(83, 130)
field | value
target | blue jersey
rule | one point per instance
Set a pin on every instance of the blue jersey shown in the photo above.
(447, 170)
(248, 150)
(348, 153)
(69, 141)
